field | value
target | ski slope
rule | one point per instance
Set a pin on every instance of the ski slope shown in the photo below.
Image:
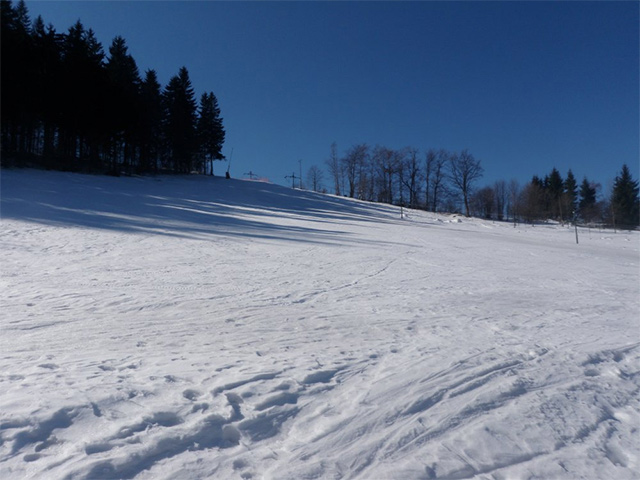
(197, 327)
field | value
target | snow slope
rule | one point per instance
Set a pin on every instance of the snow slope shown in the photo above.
(180, 328)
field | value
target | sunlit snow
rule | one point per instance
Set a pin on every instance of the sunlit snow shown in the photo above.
(198, 327)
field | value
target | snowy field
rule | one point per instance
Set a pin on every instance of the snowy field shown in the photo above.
(194, 327)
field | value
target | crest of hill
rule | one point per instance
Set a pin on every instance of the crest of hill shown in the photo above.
(189, 206)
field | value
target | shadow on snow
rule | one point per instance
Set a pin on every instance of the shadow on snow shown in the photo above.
(188, 206)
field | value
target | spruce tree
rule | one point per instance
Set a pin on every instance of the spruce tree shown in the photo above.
(46, 55)
(555, 188)
(124, 105)
(571, 194)
(180, 122)
(587, 204)
(84, 83)
(151, 115)
(210, 131)
(16, 99)
(625, 202)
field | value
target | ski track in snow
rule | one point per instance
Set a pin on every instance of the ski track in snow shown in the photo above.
(193, 327)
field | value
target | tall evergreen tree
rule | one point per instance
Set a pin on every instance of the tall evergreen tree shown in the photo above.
(571, 194)
(555, 188)
(625, 201)
(537, 181)
(84, 83)
(47, 54)
(180, 122)
(210, 131)
(587, 204)
(151, 114)
(124, 106)
(16, 76)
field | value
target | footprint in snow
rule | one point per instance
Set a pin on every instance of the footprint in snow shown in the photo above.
(191, 394)
(48, 366)
(323, 376)
(280, 399)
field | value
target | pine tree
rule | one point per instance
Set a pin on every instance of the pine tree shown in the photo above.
(571, 194)
(555, 188)
(210, 131)
(84, 83)
(587, 204)
(124, 105)
(151, 115)
(180, 122)
(46, 55)
(16, 71)
(625, 201)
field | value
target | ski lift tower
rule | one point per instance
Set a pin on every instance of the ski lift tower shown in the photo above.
(293, 177)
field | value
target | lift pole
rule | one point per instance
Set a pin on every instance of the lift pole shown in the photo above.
(293, 179)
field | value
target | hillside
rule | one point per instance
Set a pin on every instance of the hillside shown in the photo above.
(197, 327)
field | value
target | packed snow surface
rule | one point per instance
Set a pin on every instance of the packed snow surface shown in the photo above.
(198, 327)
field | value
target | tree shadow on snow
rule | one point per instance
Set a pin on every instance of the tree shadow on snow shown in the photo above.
(188, 206)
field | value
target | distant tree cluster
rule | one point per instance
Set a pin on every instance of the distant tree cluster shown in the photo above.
(443, 181)
(438, 180)
(562, 199)
(554, 198)
(625, 203)
(66, 105)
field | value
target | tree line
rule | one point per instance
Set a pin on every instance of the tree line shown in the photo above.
(564, 200)
(68, 105)
(400, 176)
(444, 181)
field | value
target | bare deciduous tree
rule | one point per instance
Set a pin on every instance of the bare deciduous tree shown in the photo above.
(436, 162)
(314, 178)
(335, 168)
(385, 160)
(438, 177)
(411, 176)
(483, 202)
(356, 156)
(430, 158)
(514, 205)
(500, 192)
(464, 171)
(531, 201)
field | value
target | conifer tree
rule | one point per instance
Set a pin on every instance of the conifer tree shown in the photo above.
(123, 108)
(16, 68)
(84, 83)
(210, 131)
(571, 193)
(554, 188)
(587, 203)
(625, 202)
(46, 55)
(180, 122)
(151, 114)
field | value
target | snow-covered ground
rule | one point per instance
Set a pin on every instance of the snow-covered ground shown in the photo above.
(193, 327)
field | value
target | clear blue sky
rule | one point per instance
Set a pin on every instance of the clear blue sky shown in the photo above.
(525, 86)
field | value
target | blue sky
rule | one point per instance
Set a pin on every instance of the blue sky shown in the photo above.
(525, 86)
